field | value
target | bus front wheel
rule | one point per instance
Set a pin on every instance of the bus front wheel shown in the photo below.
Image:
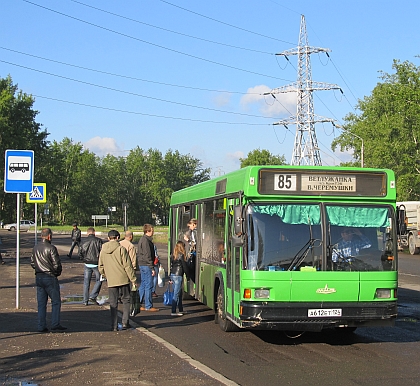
(412, 245)
(225, 324)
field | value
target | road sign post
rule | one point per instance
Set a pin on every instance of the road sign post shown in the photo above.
(125, 206)
(18, 178)
(100, 217)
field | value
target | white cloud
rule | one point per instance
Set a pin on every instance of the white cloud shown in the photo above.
(235, 156)
(222, 99)
(103, 146)
(283, 104)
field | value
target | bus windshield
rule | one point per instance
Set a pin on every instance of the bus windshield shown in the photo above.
(321, 237)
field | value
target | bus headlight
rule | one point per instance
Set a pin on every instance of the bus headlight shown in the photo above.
(383, 293)
(262, 294)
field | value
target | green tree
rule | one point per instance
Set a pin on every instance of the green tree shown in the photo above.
(151, 178)
(180, 171)
(19, 130)
(74, 179)
(145, 180)
(389, 123)
(262, 157)
(117, 185)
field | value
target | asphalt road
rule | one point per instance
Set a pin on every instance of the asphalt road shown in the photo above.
(370, 356)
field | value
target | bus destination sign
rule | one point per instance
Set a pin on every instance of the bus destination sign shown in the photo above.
(322, 183)
(308, 182)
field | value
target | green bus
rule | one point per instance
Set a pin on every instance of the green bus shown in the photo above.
(296, 248)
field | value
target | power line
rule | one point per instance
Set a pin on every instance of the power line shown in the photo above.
(281, 5)
(339, 73)
(173, 32)
(134, 94)
(127, 77)
(224, 23)
(151, 115)
(153, 44)
(351, 92)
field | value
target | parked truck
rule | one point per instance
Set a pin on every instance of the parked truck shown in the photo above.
(409, 232)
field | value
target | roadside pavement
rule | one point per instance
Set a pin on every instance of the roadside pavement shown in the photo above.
(87, 352)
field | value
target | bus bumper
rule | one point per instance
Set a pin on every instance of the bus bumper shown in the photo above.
(294, 316)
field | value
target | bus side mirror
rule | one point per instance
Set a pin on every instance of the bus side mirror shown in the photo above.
(401, 220)
(238, 220)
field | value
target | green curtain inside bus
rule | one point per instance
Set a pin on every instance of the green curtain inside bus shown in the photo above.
(292, 214)
(353, 216)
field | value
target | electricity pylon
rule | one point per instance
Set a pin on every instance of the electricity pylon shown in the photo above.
(305, 150)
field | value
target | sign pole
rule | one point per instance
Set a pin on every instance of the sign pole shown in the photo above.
(36, 222)
(18, 251)
(18, 178)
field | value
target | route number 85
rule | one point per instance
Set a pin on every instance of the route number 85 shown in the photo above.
(285, 182)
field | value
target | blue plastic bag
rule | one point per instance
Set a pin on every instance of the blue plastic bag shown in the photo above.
(168, 295)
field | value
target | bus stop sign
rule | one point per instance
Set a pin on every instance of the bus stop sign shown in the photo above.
(18, 171)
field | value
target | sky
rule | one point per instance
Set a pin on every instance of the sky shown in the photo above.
(191, 75)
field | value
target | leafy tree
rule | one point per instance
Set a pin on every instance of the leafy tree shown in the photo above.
(389, 123)
(73, 182)
(18, 130)
(153, 177)
(117, 186)
(145, 180)
(262, 157)
(181, 171)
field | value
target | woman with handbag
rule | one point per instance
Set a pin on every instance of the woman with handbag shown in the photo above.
(178, 269)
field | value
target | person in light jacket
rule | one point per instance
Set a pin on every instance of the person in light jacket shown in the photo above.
(115, 265)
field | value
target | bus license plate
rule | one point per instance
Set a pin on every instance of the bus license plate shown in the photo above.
(324, 312)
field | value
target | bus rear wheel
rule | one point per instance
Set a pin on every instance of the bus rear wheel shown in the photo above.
(225, 324)
(412, 245)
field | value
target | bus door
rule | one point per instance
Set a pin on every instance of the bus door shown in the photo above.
(198, 253)
(232, 267)
(185, 214)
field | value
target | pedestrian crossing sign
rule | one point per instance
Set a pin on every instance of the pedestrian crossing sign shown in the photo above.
(38, 194)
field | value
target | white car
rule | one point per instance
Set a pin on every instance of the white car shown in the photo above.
(24, 225)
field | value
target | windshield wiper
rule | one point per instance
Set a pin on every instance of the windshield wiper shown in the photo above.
(301, 255)
(303, 252)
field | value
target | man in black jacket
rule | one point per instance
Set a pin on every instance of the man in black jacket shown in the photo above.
(146, 257)
(190, 241)
(89, 251)
(47, 265)
(76, 237)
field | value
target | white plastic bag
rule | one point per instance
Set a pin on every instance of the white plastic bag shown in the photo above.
(161, 276)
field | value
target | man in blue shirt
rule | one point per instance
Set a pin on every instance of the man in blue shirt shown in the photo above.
(352, 241)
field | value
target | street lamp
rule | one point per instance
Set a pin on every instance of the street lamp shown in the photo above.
(363, 144)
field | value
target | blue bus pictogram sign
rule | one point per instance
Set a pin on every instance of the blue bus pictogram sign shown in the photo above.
(18, 171)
